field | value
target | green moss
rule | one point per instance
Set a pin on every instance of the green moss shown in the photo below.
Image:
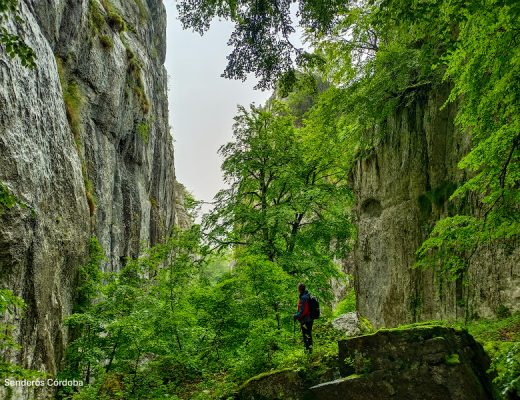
(96, 17)
(73, 99)
(143, 12)
(264, 375)
(115, 21)
(106, 41)
(452, 359)
(89, 189)
(365, 325)
(134, 70)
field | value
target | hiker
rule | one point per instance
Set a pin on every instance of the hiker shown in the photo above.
(304, 316)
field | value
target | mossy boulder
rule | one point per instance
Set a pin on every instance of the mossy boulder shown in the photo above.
(285, 384)
(425, 362)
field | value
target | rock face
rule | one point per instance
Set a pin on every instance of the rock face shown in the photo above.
(430, 363)
(402, 188)
(85, 148)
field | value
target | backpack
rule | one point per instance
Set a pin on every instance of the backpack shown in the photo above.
(314, 307)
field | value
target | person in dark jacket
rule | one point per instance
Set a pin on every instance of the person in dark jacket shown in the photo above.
(304, 316)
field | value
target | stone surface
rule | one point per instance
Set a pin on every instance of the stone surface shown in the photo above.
(110, 172)
(348, 323)
(417, 159)
(433, 363)
(282, 385)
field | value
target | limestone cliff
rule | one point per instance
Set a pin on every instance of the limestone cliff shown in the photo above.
(85, 149)
(402, 188)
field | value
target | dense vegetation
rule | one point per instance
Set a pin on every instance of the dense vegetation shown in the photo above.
(199, 314)
(212, 306)
(381, 55)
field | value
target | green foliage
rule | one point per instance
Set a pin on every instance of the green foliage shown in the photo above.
(90, 276)
(348, 304)
(450, 245)
(288, 199)
(382, 56)
(178, 321)
(14, 45)
(7, 200)
(11, 306)
(501, 340)
(261, 39)
(489, 112)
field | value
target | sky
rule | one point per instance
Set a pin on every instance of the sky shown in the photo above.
(202, 104)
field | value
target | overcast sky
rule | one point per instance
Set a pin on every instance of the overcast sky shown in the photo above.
(202, 104)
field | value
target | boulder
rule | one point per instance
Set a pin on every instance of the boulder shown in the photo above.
(350, 324)
(283, 384)
(423, 363)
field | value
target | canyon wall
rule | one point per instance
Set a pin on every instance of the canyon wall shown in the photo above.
(85, 149)
(402, 187)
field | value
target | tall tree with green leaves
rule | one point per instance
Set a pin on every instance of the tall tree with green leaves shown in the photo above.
(288, 193)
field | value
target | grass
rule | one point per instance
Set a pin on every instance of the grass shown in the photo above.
(143, 130)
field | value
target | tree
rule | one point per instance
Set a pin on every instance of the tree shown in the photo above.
(288, 193)
(261, 40)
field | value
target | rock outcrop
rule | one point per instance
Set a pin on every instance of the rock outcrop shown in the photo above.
(412, 363)
(86, 149)
(402, 188)
(431, 363)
